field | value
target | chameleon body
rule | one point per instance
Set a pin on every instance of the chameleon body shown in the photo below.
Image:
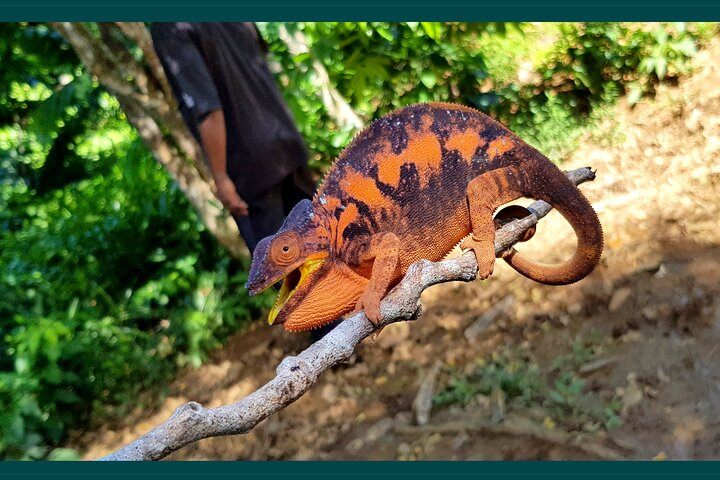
(413, 185)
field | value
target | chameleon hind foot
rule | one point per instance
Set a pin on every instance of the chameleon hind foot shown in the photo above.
(484, 254)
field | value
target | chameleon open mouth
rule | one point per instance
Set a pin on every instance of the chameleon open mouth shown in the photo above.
(290, 284)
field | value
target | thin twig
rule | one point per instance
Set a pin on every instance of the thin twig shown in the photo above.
(296, 374)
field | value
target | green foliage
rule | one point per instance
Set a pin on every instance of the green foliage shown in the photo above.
(574, 70)
(599, 59)
(377, 67)
(560, 390)
(587, 67)
(406, 62)
(110, 282)
(517, 379)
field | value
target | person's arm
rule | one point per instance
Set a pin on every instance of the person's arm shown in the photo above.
(214, 139)
(199, 102)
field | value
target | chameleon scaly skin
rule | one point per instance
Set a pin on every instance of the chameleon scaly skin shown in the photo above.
(410, 186)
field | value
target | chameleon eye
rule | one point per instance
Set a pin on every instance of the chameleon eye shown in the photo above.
(285, 249)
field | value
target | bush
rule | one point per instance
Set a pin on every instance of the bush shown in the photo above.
(589, 66)
(576, 68)
(110, 282)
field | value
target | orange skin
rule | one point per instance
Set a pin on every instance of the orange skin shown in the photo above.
(413, 185)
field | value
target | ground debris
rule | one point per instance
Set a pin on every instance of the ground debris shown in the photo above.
(423, 400)
(484, 322)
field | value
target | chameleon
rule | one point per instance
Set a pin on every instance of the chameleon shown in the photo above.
(412, 185)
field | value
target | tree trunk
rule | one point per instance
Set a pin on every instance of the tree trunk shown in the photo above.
(149, 104)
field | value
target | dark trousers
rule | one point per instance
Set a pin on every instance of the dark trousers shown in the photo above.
(268, 210)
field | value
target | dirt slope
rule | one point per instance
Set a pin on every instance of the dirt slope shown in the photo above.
(631, 353)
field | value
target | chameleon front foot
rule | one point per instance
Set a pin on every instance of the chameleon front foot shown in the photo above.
(370, 302)
(484, 254)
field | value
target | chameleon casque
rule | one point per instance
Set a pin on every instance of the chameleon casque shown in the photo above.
(413, 185)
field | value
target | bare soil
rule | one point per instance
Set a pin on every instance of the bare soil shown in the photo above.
(649, 316)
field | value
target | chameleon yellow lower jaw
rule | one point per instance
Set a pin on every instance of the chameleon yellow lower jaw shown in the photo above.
(289, 287)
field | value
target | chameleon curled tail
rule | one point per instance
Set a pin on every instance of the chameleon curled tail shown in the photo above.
(545, 181)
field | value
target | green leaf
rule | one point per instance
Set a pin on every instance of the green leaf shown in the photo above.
(556, 397)
(686, 47)
(432, 30)
(661, 36)
(66, 396)
(660, 67)
(374, 66)
(63, 455)
(635, 94)
(301, 57)
(21, 365)
(53, 375)
(428, 78)
(385, 33)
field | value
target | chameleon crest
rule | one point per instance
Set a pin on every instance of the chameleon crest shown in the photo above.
(413, 185)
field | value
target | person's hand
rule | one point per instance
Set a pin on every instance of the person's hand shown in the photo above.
(228, 196)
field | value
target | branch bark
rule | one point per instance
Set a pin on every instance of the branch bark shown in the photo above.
(295, 375)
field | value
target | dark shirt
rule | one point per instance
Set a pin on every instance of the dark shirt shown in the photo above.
(213, 66)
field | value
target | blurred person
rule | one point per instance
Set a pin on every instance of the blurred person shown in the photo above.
(231, 103)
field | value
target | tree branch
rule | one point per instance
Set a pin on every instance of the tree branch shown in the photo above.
(295, 375)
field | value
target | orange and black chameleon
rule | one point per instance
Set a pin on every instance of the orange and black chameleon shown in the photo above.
(412, 185)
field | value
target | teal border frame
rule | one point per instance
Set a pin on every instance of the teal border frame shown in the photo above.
(370, 10)
(362, 470)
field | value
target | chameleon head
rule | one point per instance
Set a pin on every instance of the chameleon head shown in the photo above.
(315, 289)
